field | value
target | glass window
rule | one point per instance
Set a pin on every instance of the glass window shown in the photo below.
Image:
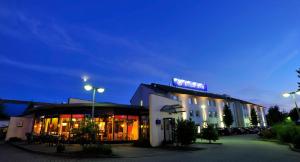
(191, 113)
(133, 127)
(197, 113)
(190, 100)
(175, 97)
(195, 101)
(64, 125)
(120, 127)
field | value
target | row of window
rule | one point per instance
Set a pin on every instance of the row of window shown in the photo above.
(211, 114)
(193, 101)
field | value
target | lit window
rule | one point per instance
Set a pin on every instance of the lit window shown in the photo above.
(208, 102)
(195, 101)
(190, 100)
(141, 103)
(175, 97)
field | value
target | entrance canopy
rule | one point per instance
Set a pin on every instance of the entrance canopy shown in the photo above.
(172, 109)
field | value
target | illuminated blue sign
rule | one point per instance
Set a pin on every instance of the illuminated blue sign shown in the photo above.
(189, 84)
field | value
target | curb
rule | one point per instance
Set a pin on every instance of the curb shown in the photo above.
(75, 155)
(293, 148)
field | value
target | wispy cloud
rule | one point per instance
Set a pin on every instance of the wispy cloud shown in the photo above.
(22, 26)
(76, 73)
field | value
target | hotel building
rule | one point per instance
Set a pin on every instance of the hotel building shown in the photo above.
(152, 114)
(203, 108)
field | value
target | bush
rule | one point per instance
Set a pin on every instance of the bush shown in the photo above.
(268, 134)
(286, 132)
(186, 131)
(296, 141)
(97, 149)
(210, 133)
(15, 139)
(60, 148)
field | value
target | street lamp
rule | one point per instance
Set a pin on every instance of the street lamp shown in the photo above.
(293, 95)
(89, 87)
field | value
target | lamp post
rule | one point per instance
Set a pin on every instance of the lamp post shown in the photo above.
(293, 95)
(89, 87)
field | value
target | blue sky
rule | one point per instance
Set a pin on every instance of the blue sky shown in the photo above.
(247, 49)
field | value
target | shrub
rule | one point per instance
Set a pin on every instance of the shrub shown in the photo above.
(60, 148)
(210, 133)
(296, 141)
(286, 131)
(185, 131)
(97, 149)
(268, 134)
(15, 139)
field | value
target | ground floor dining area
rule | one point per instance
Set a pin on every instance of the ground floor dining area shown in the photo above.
(110, 128)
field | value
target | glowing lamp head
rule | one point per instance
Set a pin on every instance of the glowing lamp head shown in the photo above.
(286, 95)
(88, 87)
(100, 90)
(203, 106)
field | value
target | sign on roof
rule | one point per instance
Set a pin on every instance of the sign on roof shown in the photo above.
(189, 84)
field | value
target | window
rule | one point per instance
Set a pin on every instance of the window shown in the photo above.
(214, 103)
(216, 114)
(190, 101)
(208, 102)
(191, 113)
(195, 101)
(141, 103)
(174, 97)
(197, 113)
(210, 114)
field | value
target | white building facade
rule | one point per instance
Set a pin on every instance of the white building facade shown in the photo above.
(201, 107)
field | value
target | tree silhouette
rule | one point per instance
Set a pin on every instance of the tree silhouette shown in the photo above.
(274, 115)
(298, 71)
(227, 119)
(254, 120)
(294, 114)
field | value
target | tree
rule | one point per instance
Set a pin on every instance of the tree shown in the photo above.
(274, 115)
(2, 113)
(294, 114)
(298, 71)
(227, 119)
(185, 131)
(209, 133)
(254, 120)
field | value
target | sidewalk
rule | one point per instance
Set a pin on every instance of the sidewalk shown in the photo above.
(119, 150)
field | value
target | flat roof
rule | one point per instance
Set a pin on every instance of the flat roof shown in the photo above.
(87, 107)
(165, 88)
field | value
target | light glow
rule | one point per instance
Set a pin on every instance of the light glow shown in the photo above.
(100, 90)
(298, 92)
(85, 78)
(286, 95)
(88, 87)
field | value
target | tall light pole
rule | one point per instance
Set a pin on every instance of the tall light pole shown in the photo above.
(89, 87)
(293, 95)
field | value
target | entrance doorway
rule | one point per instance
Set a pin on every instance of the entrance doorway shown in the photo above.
(169, 128)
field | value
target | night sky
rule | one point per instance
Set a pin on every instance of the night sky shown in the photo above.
(247, 49)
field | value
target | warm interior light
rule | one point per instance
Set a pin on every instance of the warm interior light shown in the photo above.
(100, 90)
(122, 125)
(76, 126)
(74, 119)
(286, 95)
(88, 87)
(64, 124)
